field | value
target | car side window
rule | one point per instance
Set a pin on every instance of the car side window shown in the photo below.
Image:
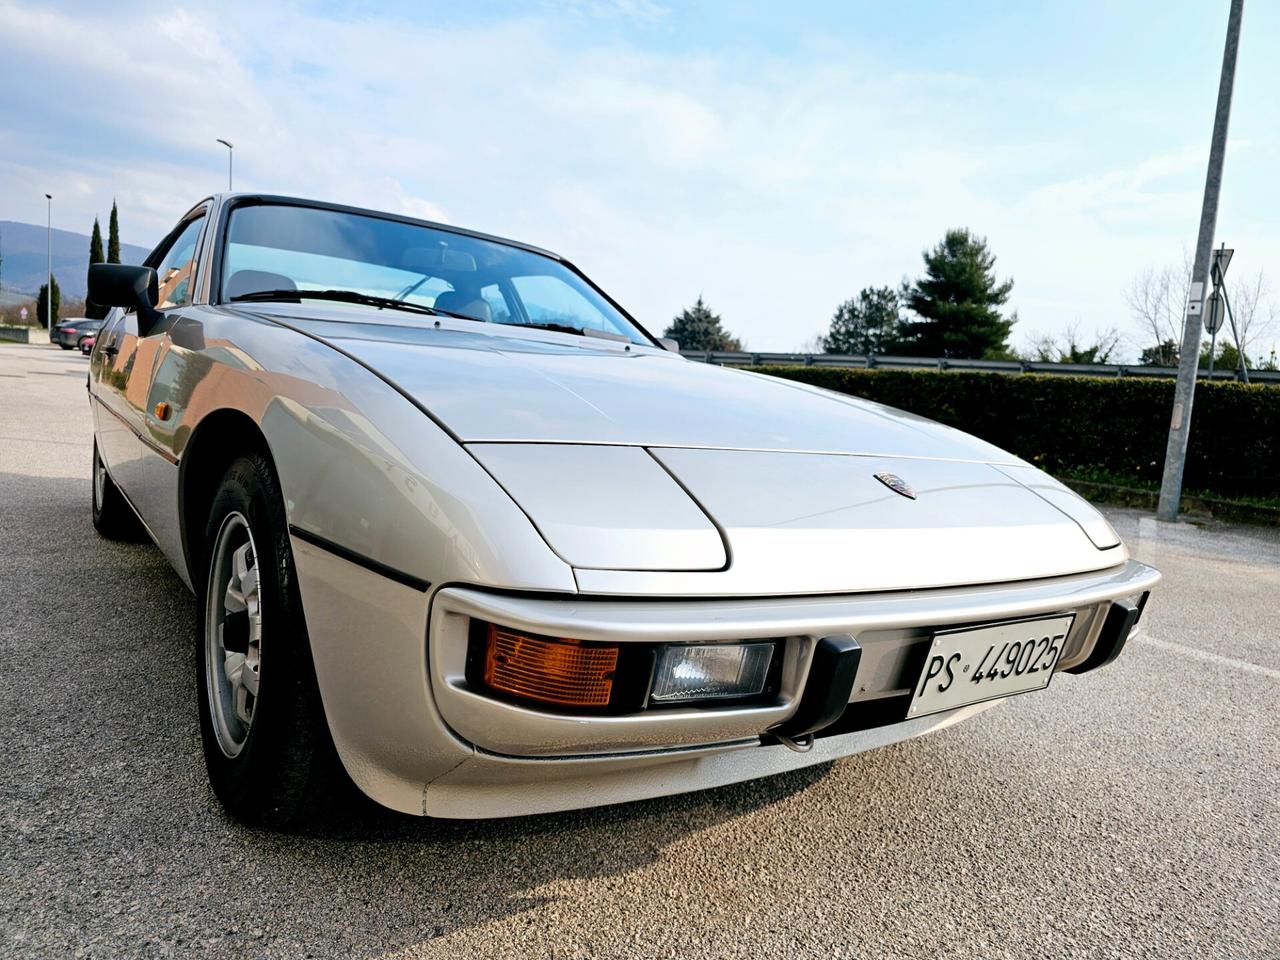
(492, 295)
(176, 268)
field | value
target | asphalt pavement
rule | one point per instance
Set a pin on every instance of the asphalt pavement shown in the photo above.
(1131, 812)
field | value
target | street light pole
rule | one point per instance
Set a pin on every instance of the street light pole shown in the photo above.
(1184, 392)
(230, 151)
(48, 287)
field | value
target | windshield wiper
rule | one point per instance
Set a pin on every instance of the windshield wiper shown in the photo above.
(342, 296)
(580, 331)
(391, 303)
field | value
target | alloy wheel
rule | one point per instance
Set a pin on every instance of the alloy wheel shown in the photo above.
(233, 633)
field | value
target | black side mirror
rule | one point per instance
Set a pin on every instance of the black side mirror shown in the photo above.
(124, 285)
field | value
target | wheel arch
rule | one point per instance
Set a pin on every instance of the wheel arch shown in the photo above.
(218, 439)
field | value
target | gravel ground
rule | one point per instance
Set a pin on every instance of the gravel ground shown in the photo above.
(1126, 813)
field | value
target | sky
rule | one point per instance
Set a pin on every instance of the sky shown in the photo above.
(772, 158)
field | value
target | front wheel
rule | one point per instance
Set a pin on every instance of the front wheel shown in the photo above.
(267, 747)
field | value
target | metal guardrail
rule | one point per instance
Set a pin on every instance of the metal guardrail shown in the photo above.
(755, 359)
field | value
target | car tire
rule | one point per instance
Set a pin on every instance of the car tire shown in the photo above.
(267, 746)
(64, 346)
(113, 518)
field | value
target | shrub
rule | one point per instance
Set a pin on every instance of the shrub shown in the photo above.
(1088, 426)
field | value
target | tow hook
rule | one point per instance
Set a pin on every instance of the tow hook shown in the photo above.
(801, 744)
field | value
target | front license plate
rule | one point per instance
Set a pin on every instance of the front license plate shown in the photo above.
(986, 663)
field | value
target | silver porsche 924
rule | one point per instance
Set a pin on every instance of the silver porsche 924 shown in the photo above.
(462, 531)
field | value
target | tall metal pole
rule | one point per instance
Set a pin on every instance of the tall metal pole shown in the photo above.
(230, 151)
(1180, 423)
(48, 287)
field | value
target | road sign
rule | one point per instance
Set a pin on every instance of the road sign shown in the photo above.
(1221, 260)
(1213, 313)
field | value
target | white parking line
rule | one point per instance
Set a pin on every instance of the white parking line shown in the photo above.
(1210, 657)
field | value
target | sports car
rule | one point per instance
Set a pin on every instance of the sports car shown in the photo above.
(463, 533)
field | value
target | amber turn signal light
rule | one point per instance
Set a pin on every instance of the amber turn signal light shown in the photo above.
(560, 671)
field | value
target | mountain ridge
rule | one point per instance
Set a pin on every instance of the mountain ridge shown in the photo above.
(25, 258)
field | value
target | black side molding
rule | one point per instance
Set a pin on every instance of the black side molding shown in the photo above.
(359, 559)
(1121, 618)
(827, 691)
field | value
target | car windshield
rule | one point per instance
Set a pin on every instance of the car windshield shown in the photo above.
(274, 250)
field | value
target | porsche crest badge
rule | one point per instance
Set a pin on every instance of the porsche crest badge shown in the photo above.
(896, 484)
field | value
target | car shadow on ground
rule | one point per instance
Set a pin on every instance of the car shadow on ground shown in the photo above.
(113, 792)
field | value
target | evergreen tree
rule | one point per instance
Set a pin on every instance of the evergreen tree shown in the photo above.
(957, 301)
(869, 323)
(92, 310)
(1227, 357)
(42, 301)
(113, 236)
(698, 328)
(1161, 355)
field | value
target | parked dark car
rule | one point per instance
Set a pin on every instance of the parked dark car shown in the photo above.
(69, 333)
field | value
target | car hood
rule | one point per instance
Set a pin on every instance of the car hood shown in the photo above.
(523, 388)
(652, 474)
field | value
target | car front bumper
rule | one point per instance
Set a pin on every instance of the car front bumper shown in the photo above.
(390, 660)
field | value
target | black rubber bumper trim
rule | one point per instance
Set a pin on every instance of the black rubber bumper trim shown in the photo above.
(826, 694)
(1121, 617)
(360, 560)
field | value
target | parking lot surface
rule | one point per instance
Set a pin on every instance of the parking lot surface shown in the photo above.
(1131, 812)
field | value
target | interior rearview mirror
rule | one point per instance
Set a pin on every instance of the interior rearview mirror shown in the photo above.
(124, 285)
(432, 260)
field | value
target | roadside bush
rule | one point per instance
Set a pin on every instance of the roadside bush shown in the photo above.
(1088, 427)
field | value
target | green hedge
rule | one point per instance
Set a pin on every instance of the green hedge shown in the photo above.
(1088, 427)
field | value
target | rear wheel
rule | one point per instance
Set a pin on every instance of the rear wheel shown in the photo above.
(113, 518)
(64, 346)
(267, 747)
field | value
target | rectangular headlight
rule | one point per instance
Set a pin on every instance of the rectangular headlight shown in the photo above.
(711, 671)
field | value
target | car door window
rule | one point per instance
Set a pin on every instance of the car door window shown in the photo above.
(176, 268)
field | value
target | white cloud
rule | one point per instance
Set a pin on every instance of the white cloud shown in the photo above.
(776, 187)
(641, 10)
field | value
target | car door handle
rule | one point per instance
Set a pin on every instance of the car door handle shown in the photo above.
(110, 350)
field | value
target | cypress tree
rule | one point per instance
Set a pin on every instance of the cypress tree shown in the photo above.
(91, 309)
(113, 236)
(41, 301)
